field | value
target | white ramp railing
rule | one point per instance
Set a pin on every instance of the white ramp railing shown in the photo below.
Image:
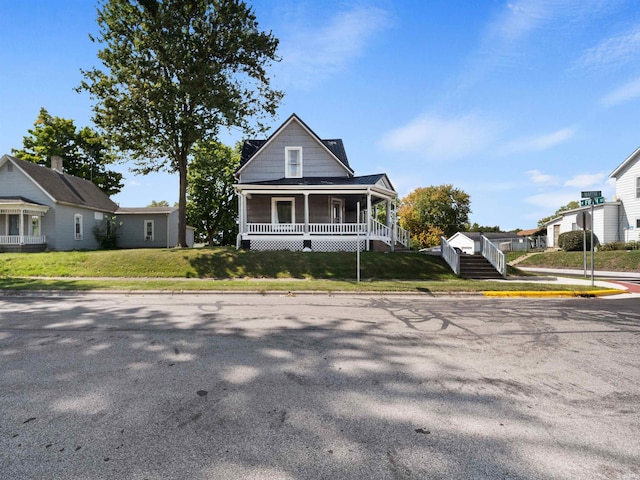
(450, 255)
(495, 256)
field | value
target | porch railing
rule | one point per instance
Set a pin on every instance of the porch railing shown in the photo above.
(402, 236)
(313, 228)
(338, 228)
(495, 256)
(22, 239)
(450, 255)
(275, 228)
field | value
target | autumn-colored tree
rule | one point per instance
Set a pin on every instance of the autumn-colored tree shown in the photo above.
(433, 211)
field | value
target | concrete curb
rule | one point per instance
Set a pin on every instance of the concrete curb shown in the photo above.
(558, 293)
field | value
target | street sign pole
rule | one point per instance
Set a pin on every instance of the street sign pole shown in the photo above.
(584, 249)
(592, 249)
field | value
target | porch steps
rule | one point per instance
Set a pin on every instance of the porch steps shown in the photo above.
(477, 267)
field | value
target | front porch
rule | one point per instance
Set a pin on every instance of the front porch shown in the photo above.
(312, 220)
(21, 222)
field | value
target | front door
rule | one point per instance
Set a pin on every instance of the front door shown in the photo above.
(556, 234)
(336, 210)
(14, 224)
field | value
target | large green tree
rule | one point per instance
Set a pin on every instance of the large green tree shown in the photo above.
(174, 73)
(433, 211)
(212, 207)
(84, 152)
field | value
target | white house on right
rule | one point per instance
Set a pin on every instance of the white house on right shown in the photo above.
(615, 221)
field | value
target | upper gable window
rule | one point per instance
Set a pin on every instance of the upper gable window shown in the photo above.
(293, 162)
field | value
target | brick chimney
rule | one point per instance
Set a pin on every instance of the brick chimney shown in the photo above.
(56, 163)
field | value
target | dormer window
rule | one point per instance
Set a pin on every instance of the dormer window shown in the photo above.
(293, 162)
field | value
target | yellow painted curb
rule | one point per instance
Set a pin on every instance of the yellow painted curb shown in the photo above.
(558, 293)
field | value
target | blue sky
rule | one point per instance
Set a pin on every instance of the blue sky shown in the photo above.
(521, 104)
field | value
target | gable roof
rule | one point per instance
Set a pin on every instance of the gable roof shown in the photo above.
(627, 163)
(65, 188)
(334, 147)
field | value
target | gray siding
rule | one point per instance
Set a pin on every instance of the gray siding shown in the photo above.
(269, 164)
(63, 237)
(132, 233)
(16, 183)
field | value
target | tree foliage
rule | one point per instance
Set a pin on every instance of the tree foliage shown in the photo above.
(483, 228)
(433, 211)
(569, 206)
(212, 207)
(175, 72)
(84, 152)
(158, 203)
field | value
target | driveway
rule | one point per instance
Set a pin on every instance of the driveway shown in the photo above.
(318, 387)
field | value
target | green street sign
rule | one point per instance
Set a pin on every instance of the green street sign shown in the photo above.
(592, 194)
(587, 202)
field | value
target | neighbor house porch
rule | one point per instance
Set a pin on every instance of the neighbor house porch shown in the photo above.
(21, 225)
(318, 218)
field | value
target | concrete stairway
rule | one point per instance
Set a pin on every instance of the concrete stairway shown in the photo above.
(478, 267)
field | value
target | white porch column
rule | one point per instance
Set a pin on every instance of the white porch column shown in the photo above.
(306, 212)
(21, 232)
(368, 218)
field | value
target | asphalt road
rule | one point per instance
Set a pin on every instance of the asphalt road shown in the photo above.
(318, 387)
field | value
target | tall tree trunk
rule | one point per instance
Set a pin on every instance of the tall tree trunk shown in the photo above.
(182, 202)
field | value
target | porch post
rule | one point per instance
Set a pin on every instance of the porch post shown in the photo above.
(368, 218)
(390, 220)
(21, 232)
(306, 212)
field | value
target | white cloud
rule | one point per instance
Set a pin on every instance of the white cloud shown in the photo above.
(614, 51)
(441, 138)
(552, 200)
(536, 176)
(537, 143)
(627, 92)
(311, 54)
(586, 180)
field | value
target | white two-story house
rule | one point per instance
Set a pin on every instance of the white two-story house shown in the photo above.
(298, 192)
(615, 221)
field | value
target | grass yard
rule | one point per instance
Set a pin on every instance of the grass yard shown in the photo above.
(616, 261)
(228, 269)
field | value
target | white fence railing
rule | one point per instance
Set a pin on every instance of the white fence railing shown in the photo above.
(495, 256)
(450, 255)
(22, 239)
(275, 228)
(338, 228)
(378, 230)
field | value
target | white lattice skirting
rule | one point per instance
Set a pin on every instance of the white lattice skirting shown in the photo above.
(297, 245)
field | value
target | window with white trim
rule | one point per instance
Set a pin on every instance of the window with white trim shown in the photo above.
(148, 230)
(283, 210)
(78, 227)
(638, 223)
(293, 162)
(637, 187)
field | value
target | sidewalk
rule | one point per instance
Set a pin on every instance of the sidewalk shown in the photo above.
(602, 278)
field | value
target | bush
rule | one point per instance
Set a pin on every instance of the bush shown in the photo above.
(572, 241)
(633, 245)
(107, 233)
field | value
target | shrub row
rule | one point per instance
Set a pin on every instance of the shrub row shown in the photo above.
(633, 245)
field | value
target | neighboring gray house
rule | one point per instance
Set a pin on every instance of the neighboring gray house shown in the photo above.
(45, 209)
(298, 192)
(614, 221)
